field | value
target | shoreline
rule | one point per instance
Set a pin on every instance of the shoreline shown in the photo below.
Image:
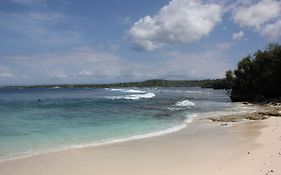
(189, 120)
(222, 144)
(106, 142)
(158, 133)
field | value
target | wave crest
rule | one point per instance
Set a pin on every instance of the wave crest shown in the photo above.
(185, 103)
(132, 97)
(190, 117)
(194, 92)
(129, 90)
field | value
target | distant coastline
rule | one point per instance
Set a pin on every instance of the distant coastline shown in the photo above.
(208, 83)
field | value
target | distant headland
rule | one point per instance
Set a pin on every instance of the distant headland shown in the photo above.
(208, 83)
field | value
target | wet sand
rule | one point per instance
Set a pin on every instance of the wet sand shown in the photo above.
(204, 147)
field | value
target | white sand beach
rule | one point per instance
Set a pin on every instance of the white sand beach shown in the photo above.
(203, 148)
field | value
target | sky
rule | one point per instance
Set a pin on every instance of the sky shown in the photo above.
(108, 41)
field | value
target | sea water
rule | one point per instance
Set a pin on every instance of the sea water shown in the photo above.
(35, 121)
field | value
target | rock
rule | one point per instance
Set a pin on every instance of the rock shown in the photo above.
(266, 112)
(230, 118)
(256, 116)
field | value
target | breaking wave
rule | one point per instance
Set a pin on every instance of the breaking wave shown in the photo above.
(132, 97)
(194, 92)
(190, 117)
(185, 103)
(181, 105)
(129, 90)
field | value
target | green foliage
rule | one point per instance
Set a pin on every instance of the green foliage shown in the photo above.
(229, 79)
(259, 76)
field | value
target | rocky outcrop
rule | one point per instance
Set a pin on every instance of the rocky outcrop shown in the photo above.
(266, 112)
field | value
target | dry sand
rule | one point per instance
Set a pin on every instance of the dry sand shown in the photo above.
(203, 148)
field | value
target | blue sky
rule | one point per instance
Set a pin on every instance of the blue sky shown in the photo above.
(103, 41)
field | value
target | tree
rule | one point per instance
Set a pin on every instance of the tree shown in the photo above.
(257, 76)
(229, 79)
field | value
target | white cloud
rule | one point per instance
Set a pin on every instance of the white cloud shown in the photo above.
(263, 16)
(86, 73)
(58, 75)
(90, 65)
(238, 35)
(6, 75)
(257, 14)
(181, 21)
(30, 2)
(208, 64)
(5, 72)
(272, 31)
(75, 65)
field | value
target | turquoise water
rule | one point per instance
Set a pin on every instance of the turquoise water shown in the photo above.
(34, 121)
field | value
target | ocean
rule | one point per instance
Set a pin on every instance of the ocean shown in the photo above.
(35, 121)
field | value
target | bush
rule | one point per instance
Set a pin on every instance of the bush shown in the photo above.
(258, 76)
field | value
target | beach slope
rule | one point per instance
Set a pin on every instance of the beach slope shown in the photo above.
(205, 147)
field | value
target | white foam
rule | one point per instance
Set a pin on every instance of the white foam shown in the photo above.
(173, 108)
(181, 105)
(135, 137)
(185, 103)
(55, 87)
(190, 118)
(135, 91)
(103, 142)
(115, 89)
(129, 90)
(237, 108)
(132, 97)
(30, 153)
(194, 92)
